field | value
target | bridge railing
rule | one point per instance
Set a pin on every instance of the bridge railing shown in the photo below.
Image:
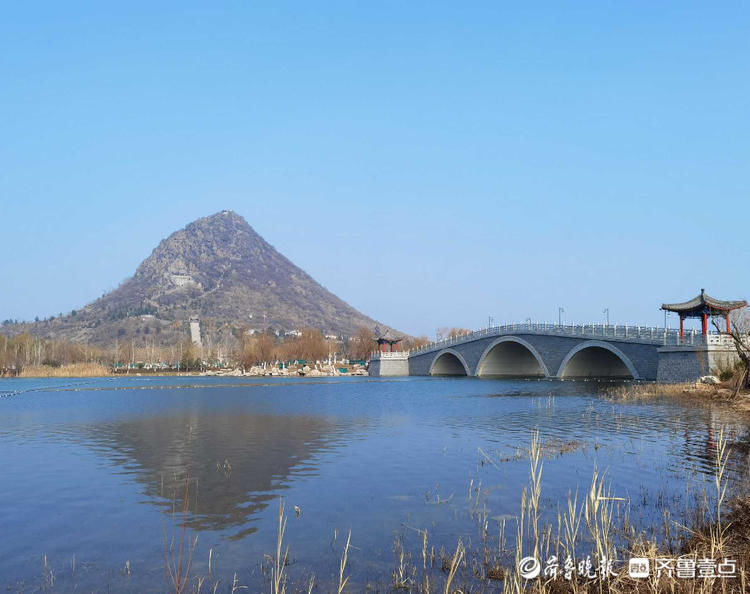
(389, 355)
(644, 334)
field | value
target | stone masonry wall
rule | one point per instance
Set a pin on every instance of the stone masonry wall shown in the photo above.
(683, 364)
(552, 350)
(389, 367)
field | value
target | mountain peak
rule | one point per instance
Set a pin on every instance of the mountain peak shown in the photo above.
(223, 215)
(220, 222)
(219, 269)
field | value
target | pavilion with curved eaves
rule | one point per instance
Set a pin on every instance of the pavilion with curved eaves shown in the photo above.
(387, 341)
(704, 307)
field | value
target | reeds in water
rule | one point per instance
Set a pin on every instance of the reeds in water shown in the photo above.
(343, 580)
(595, 524)
(279, 562)
(178, 555)
(72, 370)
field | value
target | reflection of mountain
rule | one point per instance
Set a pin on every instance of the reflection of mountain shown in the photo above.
(260, 452)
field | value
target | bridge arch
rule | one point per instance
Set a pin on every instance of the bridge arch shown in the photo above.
(511, 356)
(449, 362)
(597, 359)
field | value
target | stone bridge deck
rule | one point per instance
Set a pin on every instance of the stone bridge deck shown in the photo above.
(557, 351)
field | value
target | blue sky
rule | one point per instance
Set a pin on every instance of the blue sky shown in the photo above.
(430, 163)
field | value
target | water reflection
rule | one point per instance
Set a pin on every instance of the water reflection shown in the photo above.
(235, 461)
(367, 455)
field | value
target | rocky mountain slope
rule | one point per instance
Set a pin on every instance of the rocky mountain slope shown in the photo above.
(217, 269)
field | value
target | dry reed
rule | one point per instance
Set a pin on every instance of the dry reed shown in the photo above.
(72, 370)
(343, 580)
(279, 561)
(597, 523)
(177, 563)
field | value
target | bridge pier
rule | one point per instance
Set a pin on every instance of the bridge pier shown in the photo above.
(680, 364)
(389, 364)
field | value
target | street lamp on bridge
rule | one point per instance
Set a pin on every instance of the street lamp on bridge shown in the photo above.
(606, 312)
(560, 312)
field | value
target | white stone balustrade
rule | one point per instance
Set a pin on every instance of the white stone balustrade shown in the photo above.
(644, 334)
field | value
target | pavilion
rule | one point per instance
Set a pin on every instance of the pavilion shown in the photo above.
(387, 341)
(703, 306)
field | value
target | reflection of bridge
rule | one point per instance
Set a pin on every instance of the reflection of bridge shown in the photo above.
(558, 351)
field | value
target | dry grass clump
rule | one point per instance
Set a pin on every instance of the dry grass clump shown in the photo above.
(72, 370)
(717, 538)
(696, 392)
(655, 390)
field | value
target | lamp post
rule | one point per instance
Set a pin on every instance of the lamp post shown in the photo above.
(606, 312)
(560, 312)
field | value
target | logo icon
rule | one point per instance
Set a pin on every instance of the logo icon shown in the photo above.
(638, 567)
(529, 567)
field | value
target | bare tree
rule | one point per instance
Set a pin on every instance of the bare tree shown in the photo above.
(312, 344)
(361, 343)
(740, 333)
(415, 342)
(257, 348)
(451, 332)
(264, 346)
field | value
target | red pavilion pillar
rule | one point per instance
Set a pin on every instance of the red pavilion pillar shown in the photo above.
(705, 324)
(682, 328)
(728, 328)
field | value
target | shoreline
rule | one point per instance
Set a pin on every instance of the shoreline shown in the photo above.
(86, 370)
(720, 393)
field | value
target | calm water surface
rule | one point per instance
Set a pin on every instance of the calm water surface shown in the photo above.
(92, 468)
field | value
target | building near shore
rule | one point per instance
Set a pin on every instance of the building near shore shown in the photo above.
(195, 332)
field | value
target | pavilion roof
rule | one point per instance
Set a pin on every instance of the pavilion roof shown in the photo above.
(703, 303)
(389, 335)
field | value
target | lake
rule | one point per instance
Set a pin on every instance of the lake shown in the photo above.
(94, 472)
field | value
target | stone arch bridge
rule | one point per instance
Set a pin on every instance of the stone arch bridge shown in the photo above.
(558, 351)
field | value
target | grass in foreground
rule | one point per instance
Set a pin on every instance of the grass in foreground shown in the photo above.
(595, 525)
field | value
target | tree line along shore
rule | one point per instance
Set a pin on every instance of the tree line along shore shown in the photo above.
(26, 355)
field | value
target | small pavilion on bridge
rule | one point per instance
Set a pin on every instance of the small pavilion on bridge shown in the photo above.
(703, 306)
(387, 341)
